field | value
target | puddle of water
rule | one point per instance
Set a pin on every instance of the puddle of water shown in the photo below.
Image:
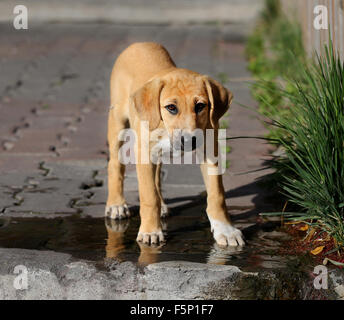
(188, 238)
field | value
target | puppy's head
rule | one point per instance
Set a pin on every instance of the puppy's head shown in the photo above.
(184, 101)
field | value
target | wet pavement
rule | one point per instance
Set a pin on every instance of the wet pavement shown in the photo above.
(188, 239)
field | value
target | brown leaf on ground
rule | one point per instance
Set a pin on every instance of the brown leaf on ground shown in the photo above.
(317, 250)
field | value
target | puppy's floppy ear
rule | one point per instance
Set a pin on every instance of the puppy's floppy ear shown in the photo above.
(220, 99)
(146, 101)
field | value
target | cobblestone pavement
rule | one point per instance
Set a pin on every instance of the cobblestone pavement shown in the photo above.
(54, 99)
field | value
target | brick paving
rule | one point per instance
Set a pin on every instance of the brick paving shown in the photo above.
(54, 98)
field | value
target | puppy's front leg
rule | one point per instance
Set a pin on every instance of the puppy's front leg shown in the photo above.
(150, 205)
(224, 233)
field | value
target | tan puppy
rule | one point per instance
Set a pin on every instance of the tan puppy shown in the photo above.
(147, 86)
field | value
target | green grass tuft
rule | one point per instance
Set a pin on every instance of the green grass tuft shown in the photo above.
(312, 168)
(305, 102)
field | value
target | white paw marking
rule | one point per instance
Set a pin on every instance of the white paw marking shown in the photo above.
(152, 238)
(117, 212)
(164, 210)
(225, 234)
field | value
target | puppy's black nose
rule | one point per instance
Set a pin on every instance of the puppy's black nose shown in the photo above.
(189, 142)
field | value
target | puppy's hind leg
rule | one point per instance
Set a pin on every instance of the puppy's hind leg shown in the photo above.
(116, 207)
(164, 209)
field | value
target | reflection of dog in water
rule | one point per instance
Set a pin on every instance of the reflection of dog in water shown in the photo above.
(149, 254)
(115, 242)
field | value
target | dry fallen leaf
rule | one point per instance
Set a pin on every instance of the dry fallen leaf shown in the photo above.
(317, 250)
(304, 228)
(310, 234)
(293, 222)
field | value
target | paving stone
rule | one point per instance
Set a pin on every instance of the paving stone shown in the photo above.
(53, 190)
(65, 76)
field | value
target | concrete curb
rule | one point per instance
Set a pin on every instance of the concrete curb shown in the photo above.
(135, 11)
(53, 275)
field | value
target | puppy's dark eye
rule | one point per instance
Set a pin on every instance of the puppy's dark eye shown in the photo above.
(199, 107)
(172, 108)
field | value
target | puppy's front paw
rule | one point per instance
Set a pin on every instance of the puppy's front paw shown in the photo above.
(117, 212)
(226, 235)
(151, 238)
